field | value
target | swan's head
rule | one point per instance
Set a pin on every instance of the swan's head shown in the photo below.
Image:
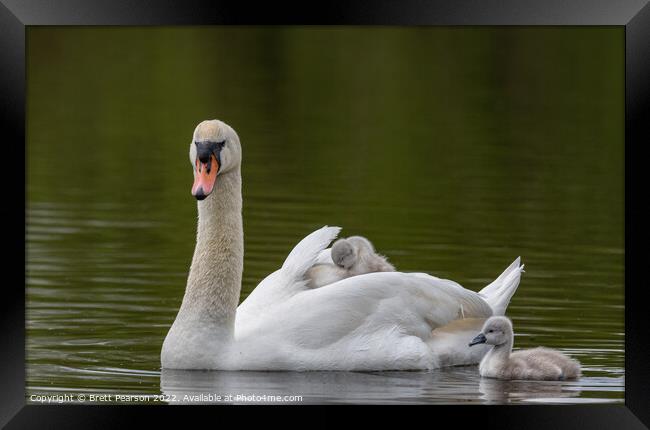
(496, 331)
(214, 151)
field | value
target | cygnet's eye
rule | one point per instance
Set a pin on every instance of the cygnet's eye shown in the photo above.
(490, 331)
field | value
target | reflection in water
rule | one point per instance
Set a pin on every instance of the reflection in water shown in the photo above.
(497, 391)
(451, 385)
(453, 149)
(326, 387)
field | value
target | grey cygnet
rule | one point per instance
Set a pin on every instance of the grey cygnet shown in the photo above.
(537, 363)
(352, 256)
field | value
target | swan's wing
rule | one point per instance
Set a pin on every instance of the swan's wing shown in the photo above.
(498, 282)
(498, 293)
(375, 321)
(290, 278)
(325, 257)
(367, 307)
(306, 253)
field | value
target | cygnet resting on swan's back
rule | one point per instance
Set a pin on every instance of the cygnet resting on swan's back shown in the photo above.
(348, 257)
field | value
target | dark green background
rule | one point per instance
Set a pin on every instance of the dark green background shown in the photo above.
(453, 149)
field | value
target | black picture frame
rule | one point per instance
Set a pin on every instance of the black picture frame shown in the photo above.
(633, 15)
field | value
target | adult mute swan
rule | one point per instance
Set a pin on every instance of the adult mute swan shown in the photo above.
(374, 321)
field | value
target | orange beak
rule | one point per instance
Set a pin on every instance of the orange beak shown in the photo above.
(205, 177)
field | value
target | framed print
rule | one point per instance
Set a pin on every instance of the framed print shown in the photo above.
(435, 204)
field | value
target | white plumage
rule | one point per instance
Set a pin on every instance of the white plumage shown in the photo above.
(374, 321)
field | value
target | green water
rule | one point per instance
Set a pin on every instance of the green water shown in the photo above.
(454, 150)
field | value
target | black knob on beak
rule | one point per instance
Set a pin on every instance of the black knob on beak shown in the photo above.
(207, 148)
(203, 152)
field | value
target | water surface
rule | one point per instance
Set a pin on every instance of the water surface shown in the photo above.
(454, 150)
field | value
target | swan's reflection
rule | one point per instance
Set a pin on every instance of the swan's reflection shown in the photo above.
(313, 387)
(444, 386)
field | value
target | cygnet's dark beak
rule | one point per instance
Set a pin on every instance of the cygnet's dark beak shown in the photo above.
(478, 339)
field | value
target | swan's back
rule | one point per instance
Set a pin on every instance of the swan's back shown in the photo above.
(375, 321)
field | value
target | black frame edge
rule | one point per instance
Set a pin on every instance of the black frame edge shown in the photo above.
(637, 104)
(373, 12)
(12, 120)
(533, 417)
(637, 118)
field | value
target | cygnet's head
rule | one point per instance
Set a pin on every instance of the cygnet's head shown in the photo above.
(346, 252)
(214, 151)
(496, 331)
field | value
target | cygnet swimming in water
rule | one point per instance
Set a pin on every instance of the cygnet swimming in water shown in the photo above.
(352, 256)
(537, 363)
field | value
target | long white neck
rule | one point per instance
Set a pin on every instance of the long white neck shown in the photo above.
(214, 281)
